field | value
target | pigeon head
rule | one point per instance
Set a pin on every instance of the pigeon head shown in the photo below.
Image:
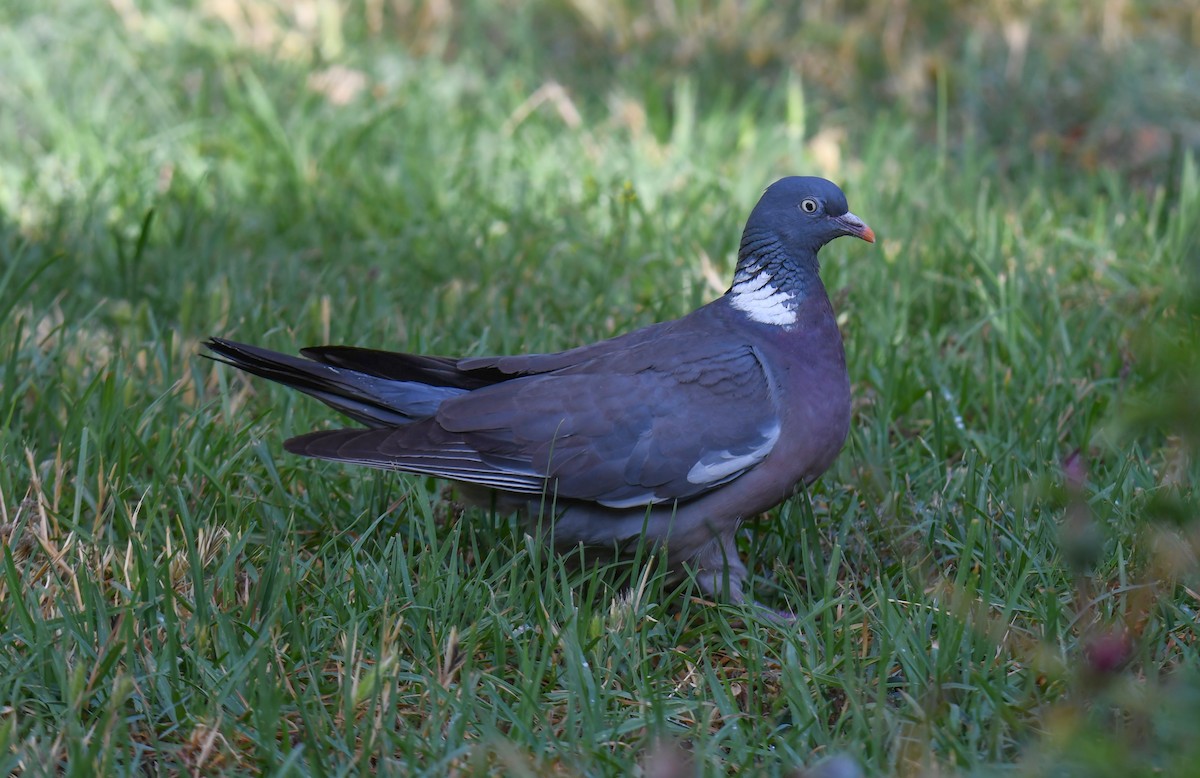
(777, 262)
(804, 213)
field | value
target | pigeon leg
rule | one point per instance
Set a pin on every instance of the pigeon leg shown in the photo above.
(719, 570)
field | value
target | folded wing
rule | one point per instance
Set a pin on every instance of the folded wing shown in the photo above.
(653, 422)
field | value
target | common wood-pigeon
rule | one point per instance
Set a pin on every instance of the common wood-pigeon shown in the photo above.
(675, 433)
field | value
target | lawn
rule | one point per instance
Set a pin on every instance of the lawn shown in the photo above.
(998, 575)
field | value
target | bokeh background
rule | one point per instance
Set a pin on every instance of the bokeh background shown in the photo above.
(999, 574)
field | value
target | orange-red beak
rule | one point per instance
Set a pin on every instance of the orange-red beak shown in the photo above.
(856, 227)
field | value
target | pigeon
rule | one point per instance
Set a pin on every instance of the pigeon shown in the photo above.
(672, 435)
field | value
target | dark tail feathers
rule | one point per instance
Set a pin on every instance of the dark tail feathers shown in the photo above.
(379, 389)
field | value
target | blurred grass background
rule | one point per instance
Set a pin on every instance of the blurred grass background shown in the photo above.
(999, 574)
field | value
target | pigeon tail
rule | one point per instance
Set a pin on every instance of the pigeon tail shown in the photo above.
(369, 398)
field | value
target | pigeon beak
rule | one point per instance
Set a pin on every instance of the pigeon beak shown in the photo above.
(856, 227)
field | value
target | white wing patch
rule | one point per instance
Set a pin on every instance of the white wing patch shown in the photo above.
(637, 501)
(758, 298)
(718, 466)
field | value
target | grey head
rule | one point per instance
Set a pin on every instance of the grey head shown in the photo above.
(777, 266)
(804, 213)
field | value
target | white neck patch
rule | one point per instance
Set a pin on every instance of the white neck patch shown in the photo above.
(762, 301)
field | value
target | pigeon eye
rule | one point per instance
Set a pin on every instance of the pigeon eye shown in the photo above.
(808, 205)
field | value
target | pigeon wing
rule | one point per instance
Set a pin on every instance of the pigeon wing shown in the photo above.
(660, 421)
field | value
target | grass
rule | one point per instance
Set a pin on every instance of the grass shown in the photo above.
(999, 573)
